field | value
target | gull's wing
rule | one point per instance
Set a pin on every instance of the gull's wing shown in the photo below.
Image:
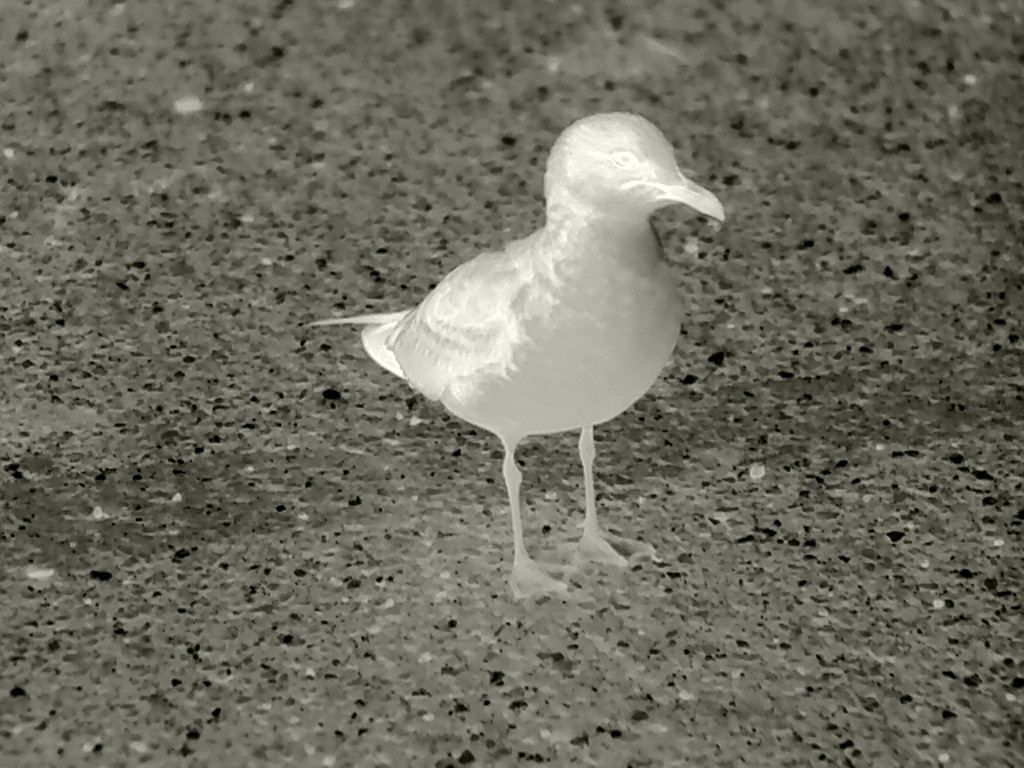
(467, 328)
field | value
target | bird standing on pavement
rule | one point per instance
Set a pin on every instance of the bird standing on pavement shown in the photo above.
(562, 330)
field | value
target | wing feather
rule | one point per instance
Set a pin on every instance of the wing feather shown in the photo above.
(466, 327)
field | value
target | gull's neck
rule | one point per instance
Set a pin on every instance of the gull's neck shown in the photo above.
(583, 238)
(566, 215)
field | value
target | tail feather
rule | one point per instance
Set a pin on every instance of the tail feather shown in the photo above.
(375, 336)
(375, 342)
(375, 319)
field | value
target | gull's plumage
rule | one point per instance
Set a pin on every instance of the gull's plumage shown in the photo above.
(563, 329)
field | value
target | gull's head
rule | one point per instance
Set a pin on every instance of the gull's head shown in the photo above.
(621, 163)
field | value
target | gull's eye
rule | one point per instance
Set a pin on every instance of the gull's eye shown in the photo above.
(625, 160)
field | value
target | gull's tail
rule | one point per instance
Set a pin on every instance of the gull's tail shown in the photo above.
(375, 336)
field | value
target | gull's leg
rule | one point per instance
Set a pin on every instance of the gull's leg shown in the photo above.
(595, 544)
(529, 578)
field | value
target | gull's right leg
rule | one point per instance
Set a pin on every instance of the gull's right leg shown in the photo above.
(529, 578)
(596, 544)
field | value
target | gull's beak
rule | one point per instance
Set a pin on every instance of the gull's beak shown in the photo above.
(692, 195)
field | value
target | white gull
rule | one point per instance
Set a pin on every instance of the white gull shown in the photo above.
(563, 329)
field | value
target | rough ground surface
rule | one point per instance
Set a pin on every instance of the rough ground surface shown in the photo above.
(230, 540)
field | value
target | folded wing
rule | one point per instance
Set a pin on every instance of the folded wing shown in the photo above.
(466, 329)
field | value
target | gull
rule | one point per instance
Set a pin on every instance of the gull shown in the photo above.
(561, 330)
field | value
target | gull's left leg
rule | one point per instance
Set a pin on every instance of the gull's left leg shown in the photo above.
(595, 544)
(529, 578)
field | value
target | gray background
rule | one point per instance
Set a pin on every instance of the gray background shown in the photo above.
(218, 547)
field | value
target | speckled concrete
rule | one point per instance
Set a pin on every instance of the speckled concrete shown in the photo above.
(230, 540)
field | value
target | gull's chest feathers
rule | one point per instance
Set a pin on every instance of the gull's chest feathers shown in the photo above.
(614, 290)
(595, 326)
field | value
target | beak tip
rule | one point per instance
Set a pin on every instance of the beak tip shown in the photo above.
(697, 198)
(712, 208)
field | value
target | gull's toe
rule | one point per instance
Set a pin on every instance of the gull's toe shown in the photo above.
(530, 578)
(609, 549)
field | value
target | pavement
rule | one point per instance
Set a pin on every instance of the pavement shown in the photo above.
(227, 539)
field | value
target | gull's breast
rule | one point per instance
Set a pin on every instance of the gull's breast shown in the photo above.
(592, 340)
